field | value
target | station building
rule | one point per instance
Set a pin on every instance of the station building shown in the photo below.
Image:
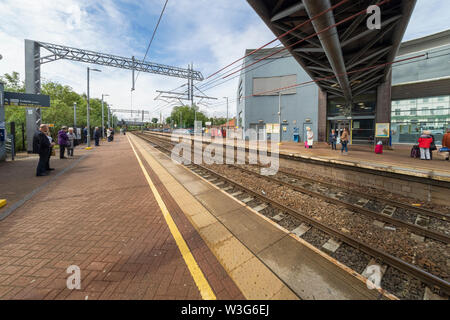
(420, 96)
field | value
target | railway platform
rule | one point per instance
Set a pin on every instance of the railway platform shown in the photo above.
(140, 226)
(395, 160)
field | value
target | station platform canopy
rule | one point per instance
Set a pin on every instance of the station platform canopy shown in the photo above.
(338, 42)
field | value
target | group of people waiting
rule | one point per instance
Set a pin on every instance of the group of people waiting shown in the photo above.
(427, 145)
(345, 138)
(98, 135)
(43, 145)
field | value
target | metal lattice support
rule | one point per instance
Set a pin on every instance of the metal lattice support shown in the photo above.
(63, 52)
(33, 62)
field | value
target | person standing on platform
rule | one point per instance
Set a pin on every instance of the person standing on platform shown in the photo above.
(63, 141)
(112, 134)
(310, 137)
(72, 137)
(425, 141)
(108, 134)
(50, 153)
(432, 146)
(97, 135)
(85, 132)
(41, 145)
(446, 143)
(333, 139)
(344, 141)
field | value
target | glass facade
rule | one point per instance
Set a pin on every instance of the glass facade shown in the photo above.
(410, 117)
(435, 65)
(364, 105)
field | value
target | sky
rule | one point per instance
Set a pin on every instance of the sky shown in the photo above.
(208, 33)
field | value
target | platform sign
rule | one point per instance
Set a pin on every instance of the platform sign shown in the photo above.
(382, 130)
(269, 127)
(27, 100)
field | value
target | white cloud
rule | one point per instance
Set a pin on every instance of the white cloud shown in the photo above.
(209, 34)
(429, 16)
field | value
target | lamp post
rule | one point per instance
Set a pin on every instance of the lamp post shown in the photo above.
(109, 115)
(89, 108)
(279, 115)
(103, 115)
(75, 116)
(227, 117)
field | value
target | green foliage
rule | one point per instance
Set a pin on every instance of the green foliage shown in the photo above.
(187, 117)
(218, 121)
(60, 113)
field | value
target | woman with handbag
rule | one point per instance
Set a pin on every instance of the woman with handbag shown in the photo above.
(309, 137)
(71, 135)
(344, 141)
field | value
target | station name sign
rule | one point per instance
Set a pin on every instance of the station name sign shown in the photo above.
(27, 100)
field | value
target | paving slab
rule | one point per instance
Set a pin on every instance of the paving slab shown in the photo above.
(307, 273)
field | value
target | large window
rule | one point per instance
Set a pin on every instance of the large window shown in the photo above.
(411, 117)
(363, 105)
(268, 86)
(436, 65)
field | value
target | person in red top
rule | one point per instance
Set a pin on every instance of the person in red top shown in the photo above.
(425, 141)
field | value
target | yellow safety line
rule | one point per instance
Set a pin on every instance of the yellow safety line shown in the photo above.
(196, 273)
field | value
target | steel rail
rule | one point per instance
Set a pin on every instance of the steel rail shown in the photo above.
(393, 261)
(417, 210)
(397, 222)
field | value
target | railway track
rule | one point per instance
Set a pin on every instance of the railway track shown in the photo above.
(383, 208)
(292, 181)
(310, 226)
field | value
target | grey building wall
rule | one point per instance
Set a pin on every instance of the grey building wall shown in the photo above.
(295, 108)
(304, 104)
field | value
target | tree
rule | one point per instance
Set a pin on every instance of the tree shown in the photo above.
(12, 82)
(60, 113)
(186, 115)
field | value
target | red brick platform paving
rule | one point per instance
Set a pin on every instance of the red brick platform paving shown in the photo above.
(219, 280)
(18, 178)
(102, 217)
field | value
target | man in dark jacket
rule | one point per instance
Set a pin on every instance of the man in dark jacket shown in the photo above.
(97, 135)
(42, 145)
